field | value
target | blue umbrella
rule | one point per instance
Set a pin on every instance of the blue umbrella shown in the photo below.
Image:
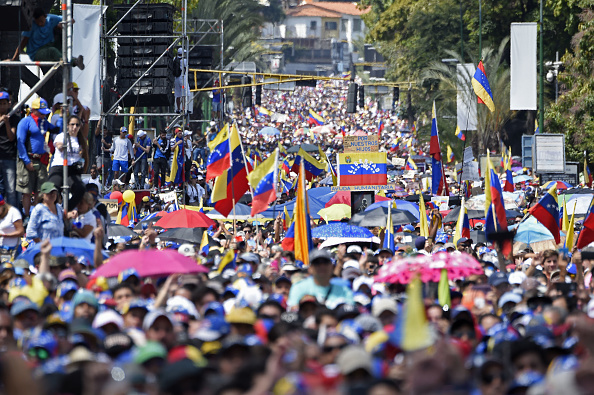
(62, 246)
(340, 229)
(241, 212)
(531, 231)
(521, 178)
(411, 207)
(270, 131)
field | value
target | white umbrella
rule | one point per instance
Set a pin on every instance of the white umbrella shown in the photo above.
(580, 202)
(511, 201)
(333, 241)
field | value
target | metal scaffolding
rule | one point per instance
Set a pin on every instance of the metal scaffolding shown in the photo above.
(188, 33)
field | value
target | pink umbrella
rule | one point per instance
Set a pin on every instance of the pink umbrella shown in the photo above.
(323, 129)
(429, 267)
(360, 133)
(150, 263)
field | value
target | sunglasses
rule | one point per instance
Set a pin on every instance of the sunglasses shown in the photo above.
(40, 353)
(489, 378)
(328, 349)
(74, 124)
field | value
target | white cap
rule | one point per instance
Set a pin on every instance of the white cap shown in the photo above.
(354, 249)
(187, 250)
(108, 317)
(180, 52)
(517, 278)
(379, 305)
(141, 133)
(59, 98)
(351, 263)
(187, 133)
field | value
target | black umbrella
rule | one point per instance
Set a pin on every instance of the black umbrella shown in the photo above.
(150, 221)
(378, 217)
(476, 214)
(117, 230)
(186, 235)
(306, 147)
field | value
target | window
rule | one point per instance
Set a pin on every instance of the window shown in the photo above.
(331, 26)
(313, 25)
(356, 25)
(344, 23)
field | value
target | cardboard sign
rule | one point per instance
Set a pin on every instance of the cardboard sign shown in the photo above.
(361, 143)
(470, 172)
(112, 206)
(167, 197)
(398, 162)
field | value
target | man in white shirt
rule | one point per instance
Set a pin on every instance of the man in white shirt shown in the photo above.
(94, 179)
(122, 151)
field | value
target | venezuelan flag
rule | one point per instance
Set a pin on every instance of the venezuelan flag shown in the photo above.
(570, 232)
(288, 185)
(204, 246)
(411, 330)
(303, 239)
(363, 168)
(423, 225)
(288, 242)
(546, 211)
(127, 214)
(450, 153)
(481, 87)
(286, 219)
(316, 118)
(438, 181)
(380, 128)
(219, 158)
(233, 183)
(286, 166)
(264, 111)
(587, 233)
(496, 218)
(460, 134)
(312, 167)
(263, 180)
(536, 128)
(509, 175)
(227, 262)
(463, 225)
(587, 174)
(410, 164)
(488, 183)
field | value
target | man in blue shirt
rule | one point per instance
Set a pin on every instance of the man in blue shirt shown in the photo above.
(319, 285)
(33, 157)
(39, 41)
(160, 165)
(142, 148)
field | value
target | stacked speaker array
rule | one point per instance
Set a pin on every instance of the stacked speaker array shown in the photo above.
(136, 54)
(201, 57)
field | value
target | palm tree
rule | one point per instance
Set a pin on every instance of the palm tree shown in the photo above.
(489, 124)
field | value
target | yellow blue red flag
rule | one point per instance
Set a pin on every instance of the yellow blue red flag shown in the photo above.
(362, 168)
(481, 87)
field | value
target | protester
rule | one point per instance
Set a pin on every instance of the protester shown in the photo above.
(122, 152)
(39, 41)
(8, 148)
(47, 217)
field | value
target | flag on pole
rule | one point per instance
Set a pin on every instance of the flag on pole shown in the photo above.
(227, 262)
(286, 219)
(463, 224)
(312, 168)
(488, 183)
(303, 239)
(450, 153)
(481, 87)
(389, 242)
(438, 182)
(570, 231)
(219, 158)
(204, 247)
(410, 164)
(587, 174)
(380, 128)
(460, 134)
(496, 217)
(587, 233)
(263, 180)
(232, 184)
(536, 128)
(546, 211)
(564, 217)
(509, 176)
(424, 226)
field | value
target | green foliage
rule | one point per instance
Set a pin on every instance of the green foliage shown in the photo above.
(573, 113)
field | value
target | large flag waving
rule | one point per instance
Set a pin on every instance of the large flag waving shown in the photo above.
(301, 223)
(219, 158)
(316, 118)
(233, 183)
(496, 221)
(546, 211)
(481, 87)
(312, 168)
(438, 182)
(263, 181)
(463, 224)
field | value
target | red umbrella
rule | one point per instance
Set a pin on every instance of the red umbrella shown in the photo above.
(150, 263)
(344, 197)
(184, 219)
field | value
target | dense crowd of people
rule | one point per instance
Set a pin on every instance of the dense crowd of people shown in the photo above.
(256, 319)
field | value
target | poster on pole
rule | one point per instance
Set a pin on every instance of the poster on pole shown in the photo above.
(549, 153)
(361, 143)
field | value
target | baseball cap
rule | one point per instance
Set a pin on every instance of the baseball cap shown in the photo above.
(420, 242)
(241, 315)
(66, 287)
(58, 98)
(21, 306)
(509, 297)
(187, 250)
(152, 316)
(150, 350)
(281, 279)
(212, 328)
(516, 278)
(180, 52)
(216, 308)
(47, 187)
(379, 305)
(123, 129)
(67, 274)
(135, 303)
(75, 85)
(141, 133)
(498, 278)
(108, 317)
(354, 249)
(40, 105)
(4, 95)
(462, 240)
(316, 255)
(84, 296)
(353, 358)
(126, 274)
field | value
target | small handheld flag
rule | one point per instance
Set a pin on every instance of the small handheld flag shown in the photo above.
(546, 211)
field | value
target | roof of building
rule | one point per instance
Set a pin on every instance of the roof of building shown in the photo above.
(327, 9)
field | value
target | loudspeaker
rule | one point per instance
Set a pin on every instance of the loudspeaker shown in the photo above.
(352, 98)
(135, 55)
(361, 97)
(201, 57)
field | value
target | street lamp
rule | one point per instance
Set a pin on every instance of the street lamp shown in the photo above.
(553, 73)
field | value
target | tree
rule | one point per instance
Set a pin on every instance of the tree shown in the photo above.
(489, 125)
(573, 112)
